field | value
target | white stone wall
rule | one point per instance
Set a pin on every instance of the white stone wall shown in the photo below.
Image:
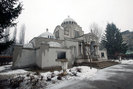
(49, 57)
(38, 59)
(24, 57)
(69, 44)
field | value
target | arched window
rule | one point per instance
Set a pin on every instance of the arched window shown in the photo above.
(57, 34)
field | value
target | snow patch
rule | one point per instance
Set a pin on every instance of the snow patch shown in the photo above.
(5, 67)
(86, 72)
(18, 71)
(127, 61)
(6, 70)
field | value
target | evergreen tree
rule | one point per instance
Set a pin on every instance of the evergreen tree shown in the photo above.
(113, 41)
(9, 11)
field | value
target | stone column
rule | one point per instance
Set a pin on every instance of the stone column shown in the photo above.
(79, 48)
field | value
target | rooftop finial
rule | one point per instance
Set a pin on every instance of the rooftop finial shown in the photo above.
(68, 16)
(46, 29)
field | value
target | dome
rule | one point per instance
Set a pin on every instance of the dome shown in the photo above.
(68, 20)
(47, 34)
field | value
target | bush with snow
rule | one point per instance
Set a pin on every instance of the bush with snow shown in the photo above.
(37, 80)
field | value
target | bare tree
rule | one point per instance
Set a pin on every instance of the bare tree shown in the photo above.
(22, 34)
(97, 30)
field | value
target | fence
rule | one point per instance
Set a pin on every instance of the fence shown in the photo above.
(5, 59)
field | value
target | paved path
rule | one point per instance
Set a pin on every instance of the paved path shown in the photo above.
(115, 77)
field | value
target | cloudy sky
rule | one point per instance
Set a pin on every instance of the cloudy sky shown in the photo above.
(41, 14)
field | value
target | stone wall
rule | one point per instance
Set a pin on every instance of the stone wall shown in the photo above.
(70, 44)
(38, 58)
(23, 57)
(49, 56)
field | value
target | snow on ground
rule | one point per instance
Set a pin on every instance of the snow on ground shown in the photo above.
(84, 73)
(6, 70)
(11, 72)
(5, 67)
(73, 75)
(124, 61)
(130, 61)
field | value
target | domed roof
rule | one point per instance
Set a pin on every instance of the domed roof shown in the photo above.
(68, 19)
(47, 34)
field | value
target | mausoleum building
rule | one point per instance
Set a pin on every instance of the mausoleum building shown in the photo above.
(68, 42)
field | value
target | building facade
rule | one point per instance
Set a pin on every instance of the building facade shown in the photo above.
(68, 42)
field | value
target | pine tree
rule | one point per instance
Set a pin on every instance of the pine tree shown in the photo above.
(9, 11)
(113, 41)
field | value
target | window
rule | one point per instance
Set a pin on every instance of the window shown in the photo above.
(76, 34)
(57, 34)
(102, 54)
(61, 55)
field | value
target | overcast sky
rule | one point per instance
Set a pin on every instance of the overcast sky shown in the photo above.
(41, 14)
